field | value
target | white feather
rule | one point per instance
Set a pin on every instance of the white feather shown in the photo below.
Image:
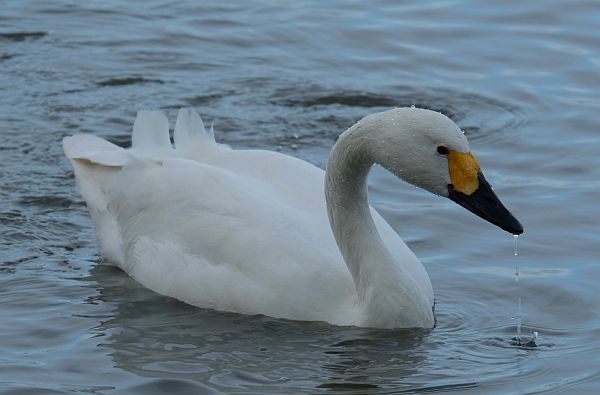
(150, 131)
(242, 230)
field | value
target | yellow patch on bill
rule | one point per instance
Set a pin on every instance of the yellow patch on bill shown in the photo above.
(463, 168)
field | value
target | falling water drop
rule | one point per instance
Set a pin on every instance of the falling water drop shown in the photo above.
(519, 322)
(518, 317)
(515, 238)
(412, 106)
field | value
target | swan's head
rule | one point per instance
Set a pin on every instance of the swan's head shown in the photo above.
(428, 150)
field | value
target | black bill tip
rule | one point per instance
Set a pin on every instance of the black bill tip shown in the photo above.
(485, 204)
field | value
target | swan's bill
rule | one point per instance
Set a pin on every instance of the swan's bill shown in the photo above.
(484, 203)
(463, 169)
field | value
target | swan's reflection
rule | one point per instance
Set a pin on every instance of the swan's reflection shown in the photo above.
(160, 338)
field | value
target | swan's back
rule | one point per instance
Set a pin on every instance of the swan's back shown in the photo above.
(242, 231)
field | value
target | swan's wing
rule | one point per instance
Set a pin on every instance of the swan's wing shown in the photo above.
(221, 238)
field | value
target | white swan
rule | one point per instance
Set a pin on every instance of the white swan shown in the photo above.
(250, 231)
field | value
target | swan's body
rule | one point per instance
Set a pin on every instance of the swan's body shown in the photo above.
(248, 231)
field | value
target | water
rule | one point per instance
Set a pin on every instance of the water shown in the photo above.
(520, 79)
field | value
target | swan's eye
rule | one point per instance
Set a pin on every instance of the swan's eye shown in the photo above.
(442, 150)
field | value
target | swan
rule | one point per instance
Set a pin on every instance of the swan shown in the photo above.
(260, 232)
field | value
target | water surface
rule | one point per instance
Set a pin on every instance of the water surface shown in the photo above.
(520, 79)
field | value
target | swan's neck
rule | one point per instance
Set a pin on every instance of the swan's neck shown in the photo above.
(386, 292)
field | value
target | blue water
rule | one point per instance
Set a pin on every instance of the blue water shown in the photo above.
(520, 78)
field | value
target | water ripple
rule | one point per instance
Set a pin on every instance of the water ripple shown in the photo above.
(481, 118)
(21, 36)
(128, 81)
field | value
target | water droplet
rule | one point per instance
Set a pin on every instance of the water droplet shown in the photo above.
(412, 106)
(515, 238)
(518, 315)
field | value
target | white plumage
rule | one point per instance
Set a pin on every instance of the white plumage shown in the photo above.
(247, 231)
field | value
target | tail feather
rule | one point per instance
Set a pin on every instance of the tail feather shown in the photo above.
(150, 132)
(94, 160)
(87, 147)
(190, 135)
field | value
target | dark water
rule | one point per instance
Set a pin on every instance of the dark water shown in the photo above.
(521, 79)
